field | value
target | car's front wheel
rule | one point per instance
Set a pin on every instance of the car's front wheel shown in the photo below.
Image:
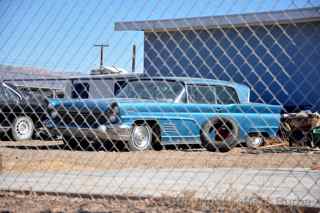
(22, 128)
(140, 137)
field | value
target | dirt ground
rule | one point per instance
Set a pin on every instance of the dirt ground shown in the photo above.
(18, 202)
(53, 156)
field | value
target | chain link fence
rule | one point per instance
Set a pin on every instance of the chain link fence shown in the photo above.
(224, 110)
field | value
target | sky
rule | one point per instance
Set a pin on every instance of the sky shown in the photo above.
(59, 35)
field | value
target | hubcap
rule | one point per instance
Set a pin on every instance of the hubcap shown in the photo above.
(256, 141)
(23, 127)
(141, 137)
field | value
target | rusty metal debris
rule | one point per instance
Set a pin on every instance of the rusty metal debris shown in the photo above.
(297, 128)
(299, 132)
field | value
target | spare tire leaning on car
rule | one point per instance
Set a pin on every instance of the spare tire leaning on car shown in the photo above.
(226, 130)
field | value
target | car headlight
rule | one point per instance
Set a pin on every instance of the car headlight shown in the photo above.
(113, 118)
(113, 113)
(54, 114)
(116, 110)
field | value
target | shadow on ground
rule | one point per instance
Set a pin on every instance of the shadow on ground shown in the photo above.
(85, 146)
(61, 146)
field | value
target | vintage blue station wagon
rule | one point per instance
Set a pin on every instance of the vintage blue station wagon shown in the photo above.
(151, 112)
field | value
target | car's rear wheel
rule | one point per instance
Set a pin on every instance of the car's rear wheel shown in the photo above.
(140, 137)
(219, 135)
(255, 141)
(22, 128)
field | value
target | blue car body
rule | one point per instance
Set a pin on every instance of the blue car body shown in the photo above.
(179, 122)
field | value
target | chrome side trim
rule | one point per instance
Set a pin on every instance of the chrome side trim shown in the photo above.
(169, 128)
(112, 134)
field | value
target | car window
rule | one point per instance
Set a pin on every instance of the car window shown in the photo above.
(2, 93)
(226, 95)
(80, 90)
(10, 95)
(159, 90)
(118, 86)
(201, 94)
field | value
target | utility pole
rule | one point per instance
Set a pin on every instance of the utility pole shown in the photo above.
(133, 68)
(101, 53)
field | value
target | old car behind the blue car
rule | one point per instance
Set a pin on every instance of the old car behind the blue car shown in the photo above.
(152, 112)
(21, 112)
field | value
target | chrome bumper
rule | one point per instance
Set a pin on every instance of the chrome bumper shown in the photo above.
(115, 133)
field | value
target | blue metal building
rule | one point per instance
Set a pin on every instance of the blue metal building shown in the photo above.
(276, 53)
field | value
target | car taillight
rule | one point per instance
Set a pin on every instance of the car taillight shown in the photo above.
(113, 118)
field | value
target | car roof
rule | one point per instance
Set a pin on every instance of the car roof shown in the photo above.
(188, 80)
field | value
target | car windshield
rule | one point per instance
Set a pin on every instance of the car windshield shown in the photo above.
(159, 90)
